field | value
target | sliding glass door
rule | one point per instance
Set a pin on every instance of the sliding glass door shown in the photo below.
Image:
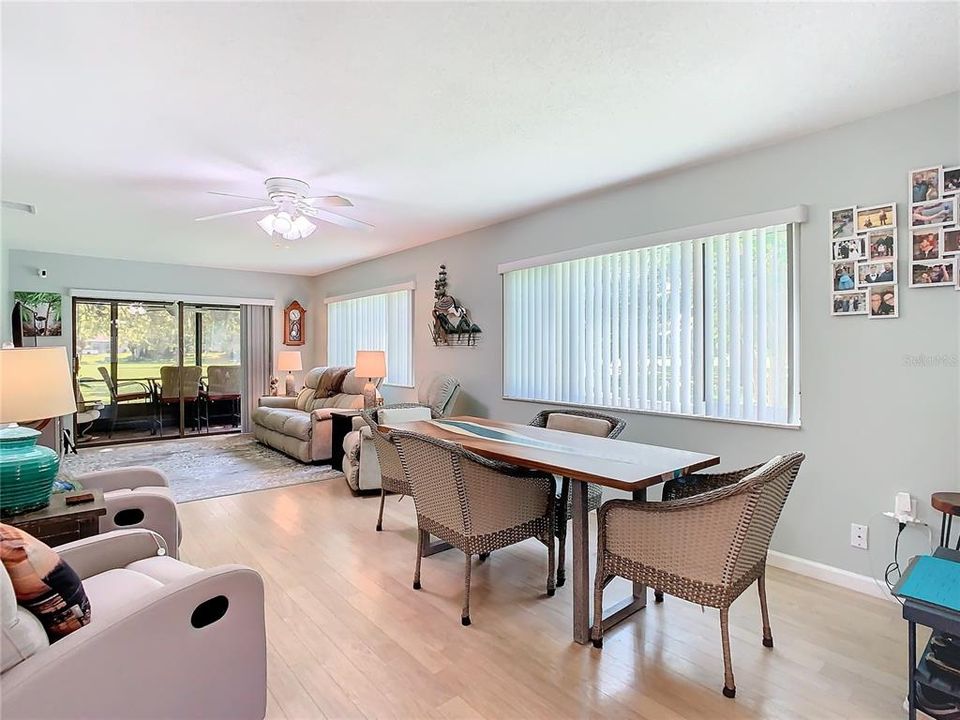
(147, 369)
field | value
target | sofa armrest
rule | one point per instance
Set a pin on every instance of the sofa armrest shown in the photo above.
(124, 478)
(358, 423)
(107, 551)
(154, 658)
(144, 508)
(278, 401)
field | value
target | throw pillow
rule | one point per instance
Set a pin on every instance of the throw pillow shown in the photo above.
(331, 381)
(43, 583)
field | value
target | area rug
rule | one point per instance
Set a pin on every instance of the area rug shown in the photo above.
(206, 467)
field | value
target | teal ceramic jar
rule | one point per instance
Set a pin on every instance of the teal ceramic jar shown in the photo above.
(27, 471)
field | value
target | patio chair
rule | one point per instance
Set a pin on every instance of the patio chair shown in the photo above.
(706, 547)
(119, 395)
(476, 505)
(223, 385)
(172, 383)
(583, 422)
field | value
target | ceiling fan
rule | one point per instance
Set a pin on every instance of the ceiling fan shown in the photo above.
(290, 205)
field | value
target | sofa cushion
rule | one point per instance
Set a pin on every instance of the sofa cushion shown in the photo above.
(21, 634)
(578, 424)
(163, 568)
(393, 416)
(111, 591)
(43, 583)
(331, 381)
(292, 423)
(312, 378)
(343, 400)
(352, 385)
(438, 392)
(305, 399)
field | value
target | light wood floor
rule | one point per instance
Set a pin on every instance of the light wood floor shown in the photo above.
(349, 638)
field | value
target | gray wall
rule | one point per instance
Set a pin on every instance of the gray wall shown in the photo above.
(876, 419)
(87, 273)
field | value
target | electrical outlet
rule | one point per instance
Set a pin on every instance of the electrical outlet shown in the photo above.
(858, 536)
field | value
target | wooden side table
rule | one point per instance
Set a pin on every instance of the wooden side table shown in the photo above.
(341, 425)
(59, 523)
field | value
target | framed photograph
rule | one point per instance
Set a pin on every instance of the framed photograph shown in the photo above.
(951, 180)
(40, 313)
(881, 244)
(850, 248)
(933, 273)
(841, 222)
(951, 241)
(934, 212)
(844, 276)
(925, 184)
(876, 273)
(876, 217)
(882, 302)
(925, 244)
(849, 303)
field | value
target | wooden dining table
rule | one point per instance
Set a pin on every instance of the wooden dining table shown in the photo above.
(618, 464)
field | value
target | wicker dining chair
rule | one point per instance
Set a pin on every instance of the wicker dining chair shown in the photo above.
(475, 504)
(391, 473)
(705, 547)
(583, 422)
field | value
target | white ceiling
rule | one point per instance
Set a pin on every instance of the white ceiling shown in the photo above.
(433, 118)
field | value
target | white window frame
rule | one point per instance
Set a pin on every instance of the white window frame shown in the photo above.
(410, 288)
(792, 217)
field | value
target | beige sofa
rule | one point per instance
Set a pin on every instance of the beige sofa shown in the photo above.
(165, 640)
(300, 426)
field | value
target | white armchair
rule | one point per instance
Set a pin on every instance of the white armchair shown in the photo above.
(166, 640)
(137, 497)
(439, 394)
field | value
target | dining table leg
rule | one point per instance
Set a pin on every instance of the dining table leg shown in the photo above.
(637, 599)
(581, 563)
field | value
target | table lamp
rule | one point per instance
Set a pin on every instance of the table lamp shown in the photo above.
(35, 384)
(289, 360)
(371, 364)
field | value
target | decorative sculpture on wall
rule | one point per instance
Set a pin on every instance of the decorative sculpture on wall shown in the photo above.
(451, 321)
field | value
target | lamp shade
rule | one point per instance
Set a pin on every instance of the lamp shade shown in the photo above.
(371, 363)
(289, 360)
(35, 384)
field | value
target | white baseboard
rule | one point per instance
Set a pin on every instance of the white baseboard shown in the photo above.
(827, 573)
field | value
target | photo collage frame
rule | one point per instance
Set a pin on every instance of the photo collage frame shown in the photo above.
(934, 193)
(863, 255)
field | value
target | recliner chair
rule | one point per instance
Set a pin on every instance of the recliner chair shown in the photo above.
(137, 497)
(166, 640)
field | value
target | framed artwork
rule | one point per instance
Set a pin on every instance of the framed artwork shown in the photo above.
(882, 302)
(951, 241)
(933, 273)
(41, 313)
(882, 272)
(294, 324)
(951, 180)
(933, 213)
(877, 217)
(881, 244)
(841, 222)
(849, 303)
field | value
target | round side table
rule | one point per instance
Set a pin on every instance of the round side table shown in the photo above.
(947, 503)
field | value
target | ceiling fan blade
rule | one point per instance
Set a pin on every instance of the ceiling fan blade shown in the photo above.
(236, 212)
(22, 207)
(330, 200)
(244, 197)
(330, 217)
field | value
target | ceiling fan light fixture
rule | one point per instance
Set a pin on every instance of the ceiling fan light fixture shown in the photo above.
(282, 223)
(266, 224)
(303, 226)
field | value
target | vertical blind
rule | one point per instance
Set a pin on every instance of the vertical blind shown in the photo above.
(383, 321)
(698, 327)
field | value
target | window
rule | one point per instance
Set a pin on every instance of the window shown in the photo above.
(381, 321)
(700, 327)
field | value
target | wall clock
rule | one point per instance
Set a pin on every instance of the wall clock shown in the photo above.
(294, 324)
